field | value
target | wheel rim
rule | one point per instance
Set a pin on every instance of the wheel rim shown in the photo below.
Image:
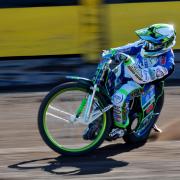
(61, 133)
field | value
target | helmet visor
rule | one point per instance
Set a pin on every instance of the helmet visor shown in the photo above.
(151, 47)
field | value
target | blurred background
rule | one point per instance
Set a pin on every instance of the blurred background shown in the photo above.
(41, 41)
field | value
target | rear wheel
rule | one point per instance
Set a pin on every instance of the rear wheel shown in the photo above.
(56, 124)
(138, 133)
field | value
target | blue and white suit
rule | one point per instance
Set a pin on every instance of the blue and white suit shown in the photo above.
(136, 70)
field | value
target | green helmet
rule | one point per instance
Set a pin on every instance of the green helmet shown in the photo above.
(159, 38)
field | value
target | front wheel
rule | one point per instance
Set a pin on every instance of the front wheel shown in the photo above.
(55, 123)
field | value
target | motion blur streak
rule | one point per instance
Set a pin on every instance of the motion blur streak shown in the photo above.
(56, 30)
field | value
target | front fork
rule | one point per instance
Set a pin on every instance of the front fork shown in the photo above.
(89, 103)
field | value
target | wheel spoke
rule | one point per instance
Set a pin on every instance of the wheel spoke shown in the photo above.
(59, 110)
(50, 114)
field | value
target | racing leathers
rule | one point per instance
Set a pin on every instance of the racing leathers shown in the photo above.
(128, 77)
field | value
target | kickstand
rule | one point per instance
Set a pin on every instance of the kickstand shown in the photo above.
(157, 129)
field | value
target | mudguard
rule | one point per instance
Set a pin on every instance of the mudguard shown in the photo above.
(78, 79)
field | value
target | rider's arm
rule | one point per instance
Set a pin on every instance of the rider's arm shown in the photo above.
(146, 75)
(130, 49)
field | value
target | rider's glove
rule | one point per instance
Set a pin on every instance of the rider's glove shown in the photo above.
(109, 54)
(106, 55)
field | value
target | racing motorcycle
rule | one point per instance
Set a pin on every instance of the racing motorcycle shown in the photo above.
(77, 116)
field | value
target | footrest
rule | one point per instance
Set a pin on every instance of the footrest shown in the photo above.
(157, 129)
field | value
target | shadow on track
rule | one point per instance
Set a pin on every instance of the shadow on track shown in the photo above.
(96, 163)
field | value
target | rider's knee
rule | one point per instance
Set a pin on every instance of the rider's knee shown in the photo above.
(118, 99)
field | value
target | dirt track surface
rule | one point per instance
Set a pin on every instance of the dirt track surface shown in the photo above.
(23, 155)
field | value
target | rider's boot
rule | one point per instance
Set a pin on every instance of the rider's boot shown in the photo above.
(90, 132)
(157, 129)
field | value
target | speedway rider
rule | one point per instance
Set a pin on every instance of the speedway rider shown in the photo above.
(147, 60)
